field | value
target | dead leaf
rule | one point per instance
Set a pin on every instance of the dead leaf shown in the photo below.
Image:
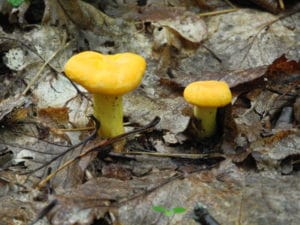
(58, 116)
(15, 210)
(233, 78)
(269, 152)
(187, 24)
(97, 196)
(9, 104)
(283, 65)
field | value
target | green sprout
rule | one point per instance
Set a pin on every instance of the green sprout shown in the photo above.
(16, 3)
(168, 212)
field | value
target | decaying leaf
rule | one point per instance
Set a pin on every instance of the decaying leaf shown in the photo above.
(233, 77)
(57, 116)
(8, 105)
(270, 5)
(284, 65)
(230, 192)
(15, 211)
(188, 25)
(96, 197)
(242, 40)
(270, 151)
(15, 59)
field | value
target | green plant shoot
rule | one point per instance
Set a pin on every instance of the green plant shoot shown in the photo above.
(169, 212)
(178, 210)
(16, 3)
(159, 208)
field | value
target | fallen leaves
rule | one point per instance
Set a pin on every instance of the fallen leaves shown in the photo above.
(54, 116)
(9, 104)
(241, 182)
(80, 206)
(284, 65)
(178, 21)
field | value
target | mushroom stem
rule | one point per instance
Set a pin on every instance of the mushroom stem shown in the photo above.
(207, 117)
(108, 110)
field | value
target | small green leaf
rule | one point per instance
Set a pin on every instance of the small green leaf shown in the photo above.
(159, 208)
(178, 210)
(15, 3)
(169, 212)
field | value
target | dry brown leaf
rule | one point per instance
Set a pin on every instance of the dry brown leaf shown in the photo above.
(9, 104)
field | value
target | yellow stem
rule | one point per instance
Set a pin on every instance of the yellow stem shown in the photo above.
(207, 118)
(109, 111)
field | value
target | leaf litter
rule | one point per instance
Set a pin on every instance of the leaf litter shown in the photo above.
(254, 176)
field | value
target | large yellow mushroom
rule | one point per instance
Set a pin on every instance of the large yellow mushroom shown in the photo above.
(107, 77)
(207, 96)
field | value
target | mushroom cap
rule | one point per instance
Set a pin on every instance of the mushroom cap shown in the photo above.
(106, 74)
(210, 93)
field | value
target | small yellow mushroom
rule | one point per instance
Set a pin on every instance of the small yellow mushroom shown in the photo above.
(207, 96)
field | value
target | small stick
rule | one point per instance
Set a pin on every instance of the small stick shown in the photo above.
(36, 77)
(233, 9)
(93, 135)
(76, 129)
(281, 4)
(29, 48)
(96, 147)
(174, 155)
(218, 12)
(45, 211)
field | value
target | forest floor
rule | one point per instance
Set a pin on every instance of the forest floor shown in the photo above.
(53, 170)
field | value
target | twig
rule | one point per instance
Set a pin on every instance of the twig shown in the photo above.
(30, 49)
(36, 77)
(218, 12)
(233, 9)
(77, 90)
(76, 129)
(45, 211)
(27, 148)
(46, 62)
(213, 54)
(167, 181)
(261, 28)
(240, 210)
(96, 147)
(93, 135)
(136, 196)
(174, 155)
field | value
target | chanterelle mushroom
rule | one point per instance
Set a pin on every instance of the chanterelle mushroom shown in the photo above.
(107, 77)
(207, 96)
